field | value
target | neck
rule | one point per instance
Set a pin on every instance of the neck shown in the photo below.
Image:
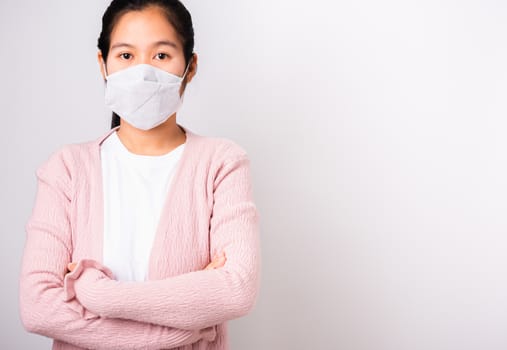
(157, 141)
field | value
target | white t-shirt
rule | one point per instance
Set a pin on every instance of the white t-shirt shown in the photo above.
(135, 188)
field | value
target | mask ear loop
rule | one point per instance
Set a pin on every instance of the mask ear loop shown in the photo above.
(188, 67)
(184, 76)
(105, 69)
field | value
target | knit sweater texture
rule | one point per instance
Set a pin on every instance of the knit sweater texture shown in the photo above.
(209, 209)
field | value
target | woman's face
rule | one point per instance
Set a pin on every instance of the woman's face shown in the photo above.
(145, 36)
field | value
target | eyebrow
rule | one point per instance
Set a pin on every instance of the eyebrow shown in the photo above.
(121, 45)
(158, 43)
(166, 42)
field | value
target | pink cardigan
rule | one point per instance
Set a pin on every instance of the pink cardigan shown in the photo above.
(209, 209)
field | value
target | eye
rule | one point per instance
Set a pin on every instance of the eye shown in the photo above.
(162, 56)
(125, 55)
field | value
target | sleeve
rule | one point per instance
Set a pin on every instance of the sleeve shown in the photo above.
(197, 299)
(43, 306)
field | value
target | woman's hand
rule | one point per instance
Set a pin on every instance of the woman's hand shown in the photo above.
(71, 266)
(217, 262)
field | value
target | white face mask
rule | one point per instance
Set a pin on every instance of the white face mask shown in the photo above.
(143, 95)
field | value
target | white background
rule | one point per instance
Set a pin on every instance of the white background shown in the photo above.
(376, 131)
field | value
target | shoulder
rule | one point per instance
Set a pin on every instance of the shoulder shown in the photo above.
(217, 149)
(222, 162)
(64, 163)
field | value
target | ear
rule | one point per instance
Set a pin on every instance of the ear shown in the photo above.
(192, 70)
(100, 59)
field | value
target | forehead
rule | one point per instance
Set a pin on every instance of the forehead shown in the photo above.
(142, 28)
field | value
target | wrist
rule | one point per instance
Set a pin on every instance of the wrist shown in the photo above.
(82, 284)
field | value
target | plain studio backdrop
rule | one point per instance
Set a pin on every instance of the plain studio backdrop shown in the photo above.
(377, 135)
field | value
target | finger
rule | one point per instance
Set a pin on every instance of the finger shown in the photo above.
(209, 267)
(218, 256)
(219, 262)
(71, 266)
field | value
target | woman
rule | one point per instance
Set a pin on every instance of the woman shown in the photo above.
(147, 237)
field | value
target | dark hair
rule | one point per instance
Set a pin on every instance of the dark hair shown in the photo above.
(176, 14)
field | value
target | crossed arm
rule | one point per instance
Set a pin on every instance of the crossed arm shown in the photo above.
(197, 299)
(43, 307)
(95, 311)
